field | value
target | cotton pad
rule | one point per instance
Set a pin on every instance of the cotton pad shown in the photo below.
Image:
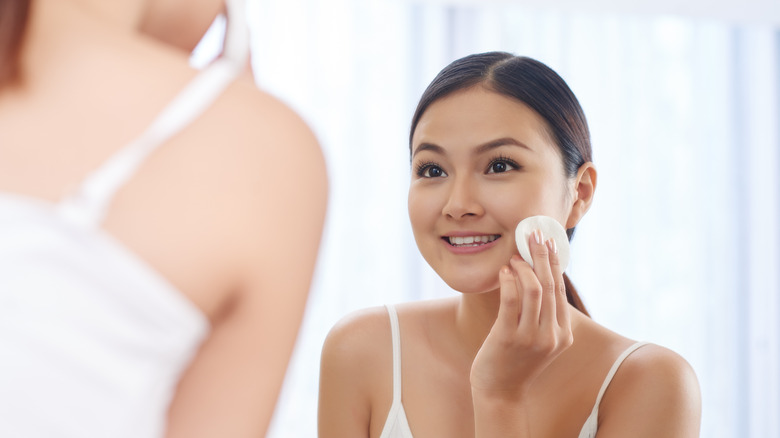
(550, 228)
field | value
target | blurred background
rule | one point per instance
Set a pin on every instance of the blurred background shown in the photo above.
(681, 246)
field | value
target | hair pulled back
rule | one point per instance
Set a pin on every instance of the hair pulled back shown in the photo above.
(537, 86)
(13, 23)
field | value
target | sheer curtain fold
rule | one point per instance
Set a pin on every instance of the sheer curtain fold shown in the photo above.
(681, 246)
(758, 100)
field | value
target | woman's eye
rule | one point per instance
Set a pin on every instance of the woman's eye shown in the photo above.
(501, 166)
(432, 171)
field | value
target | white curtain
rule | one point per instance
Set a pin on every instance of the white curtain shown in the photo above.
(681, 246)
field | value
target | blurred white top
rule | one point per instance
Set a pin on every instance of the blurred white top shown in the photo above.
(92, 339)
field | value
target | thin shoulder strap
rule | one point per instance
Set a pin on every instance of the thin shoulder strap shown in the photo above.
(396, 334)
(88, 204)
(396, 425)
(613, 370)
(590, 427)
(91, 200)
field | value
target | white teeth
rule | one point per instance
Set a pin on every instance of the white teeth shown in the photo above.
(472, 240)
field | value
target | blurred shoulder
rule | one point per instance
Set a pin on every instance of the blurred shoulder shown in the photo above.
(248, 116)
(261, 154)
(254, 173)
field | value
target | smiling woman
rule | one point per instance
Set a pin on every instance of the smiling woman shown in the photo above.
(516, 173)
(496, 139)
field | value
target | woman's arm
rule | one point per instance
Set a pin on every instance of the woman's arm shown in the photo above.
(272, 211)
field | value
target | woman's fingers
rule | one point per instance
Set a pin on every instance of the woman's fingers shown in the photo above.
(561, 303)
(537, 286)
(530, 295)
(510, 307)
(540, 252)
(541, 293)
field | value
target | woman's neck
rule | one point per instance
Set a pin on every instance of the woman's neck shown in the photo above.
(476, 314)
(474, 318)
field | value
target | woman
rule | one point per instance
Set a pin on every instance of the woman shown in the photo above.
(156, 250)
(495, 139)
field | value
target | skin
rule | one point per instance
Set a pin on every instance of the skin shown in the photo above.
(215, 210)
(509, 356)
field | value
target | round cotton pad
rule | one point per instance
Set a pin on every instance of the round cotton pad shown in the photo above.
(550, 228)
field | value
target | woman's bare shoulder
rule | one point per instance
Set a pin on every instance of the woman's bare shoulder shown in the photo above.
(263, 166)
(263, 145)
(655, 370)
(362, 335)
(355, 367)
(247, 117)
(655, 392)
(365, 334)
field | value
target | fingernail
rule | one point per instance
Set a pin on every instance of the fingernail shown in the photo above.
(538, 236)
(552, 246)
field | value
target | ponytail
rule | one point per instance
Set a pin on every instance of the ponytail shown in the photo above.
(571, 292)
(13, 23)
(573, 297)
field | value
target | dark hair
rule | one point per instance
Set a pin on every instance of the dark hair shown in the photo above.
(13, 23)
(534, 84)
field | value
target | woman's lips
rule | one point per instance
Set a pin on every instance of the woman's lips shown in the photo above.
(469, 243)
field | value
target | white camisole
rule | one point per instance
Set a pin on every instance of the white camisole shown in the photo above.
(397, 425)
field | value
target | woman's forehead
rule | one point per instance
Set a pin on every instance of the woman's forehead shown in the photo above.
(477, 116)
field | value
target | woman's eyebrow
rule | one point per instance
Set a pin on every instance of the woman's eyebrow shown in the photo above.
(492, 144)
(428, 147)
(482, 148)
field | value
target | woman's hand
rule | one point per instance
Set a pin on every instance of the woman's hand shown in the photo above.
(532, 327)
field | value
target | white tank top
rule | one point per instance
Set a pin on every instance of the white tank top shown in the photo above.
(397, 425)
(92, 339)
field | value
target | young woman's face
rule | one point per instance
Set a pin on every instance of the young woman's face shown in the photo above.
(481, 163)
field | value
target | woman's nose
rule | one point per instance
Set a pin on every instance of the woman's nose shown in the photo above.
(462, 200)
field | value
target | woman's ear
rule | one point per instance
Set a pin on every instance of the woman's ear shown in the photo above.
(584, 189)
